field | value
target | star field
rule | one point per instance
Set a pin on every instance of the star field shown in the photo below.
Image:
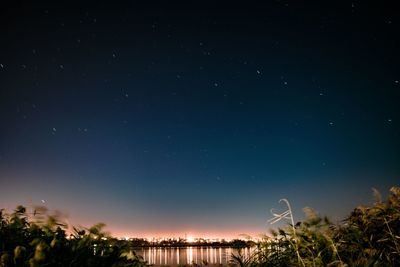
(166, 118)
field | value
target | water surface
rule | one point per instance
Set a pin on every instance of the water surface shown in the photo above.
(161, 256)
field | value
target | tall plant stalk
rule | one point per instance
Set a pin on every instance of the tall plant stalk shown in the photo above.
(288, 215)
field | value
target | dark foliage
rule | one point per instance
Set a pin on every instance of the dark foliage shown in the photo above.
(370, 236)
(42, 241)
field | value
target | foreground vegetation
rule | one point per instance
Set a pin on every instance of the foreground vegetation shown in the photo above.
(43, 242)
(370, 236)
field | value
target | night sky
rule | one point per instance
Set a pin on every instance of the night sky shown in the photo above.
(197, 118)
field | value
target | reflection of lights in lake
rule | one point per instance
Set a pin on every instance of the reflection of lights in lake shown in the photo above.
(175, 256)
(189, 255)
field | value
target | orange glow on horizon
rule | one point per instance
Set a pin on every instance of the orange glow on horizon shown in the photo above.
(190, 236)
(123, 232)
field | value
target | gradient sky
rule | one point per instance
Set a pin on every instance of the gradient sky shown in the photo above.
(197, 118)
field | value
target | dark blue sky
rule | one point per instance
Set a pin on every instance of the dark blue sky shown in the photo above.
(172, 119)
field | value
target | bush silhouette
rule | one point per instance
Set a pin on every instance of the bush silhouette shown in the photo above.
(43, 242)
(370, 236)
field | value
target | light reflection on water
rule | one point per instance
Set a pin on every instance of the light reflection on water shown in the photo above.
(161, 256)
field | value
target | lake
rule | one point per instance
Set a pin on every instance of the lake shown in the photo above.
(214, 256)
